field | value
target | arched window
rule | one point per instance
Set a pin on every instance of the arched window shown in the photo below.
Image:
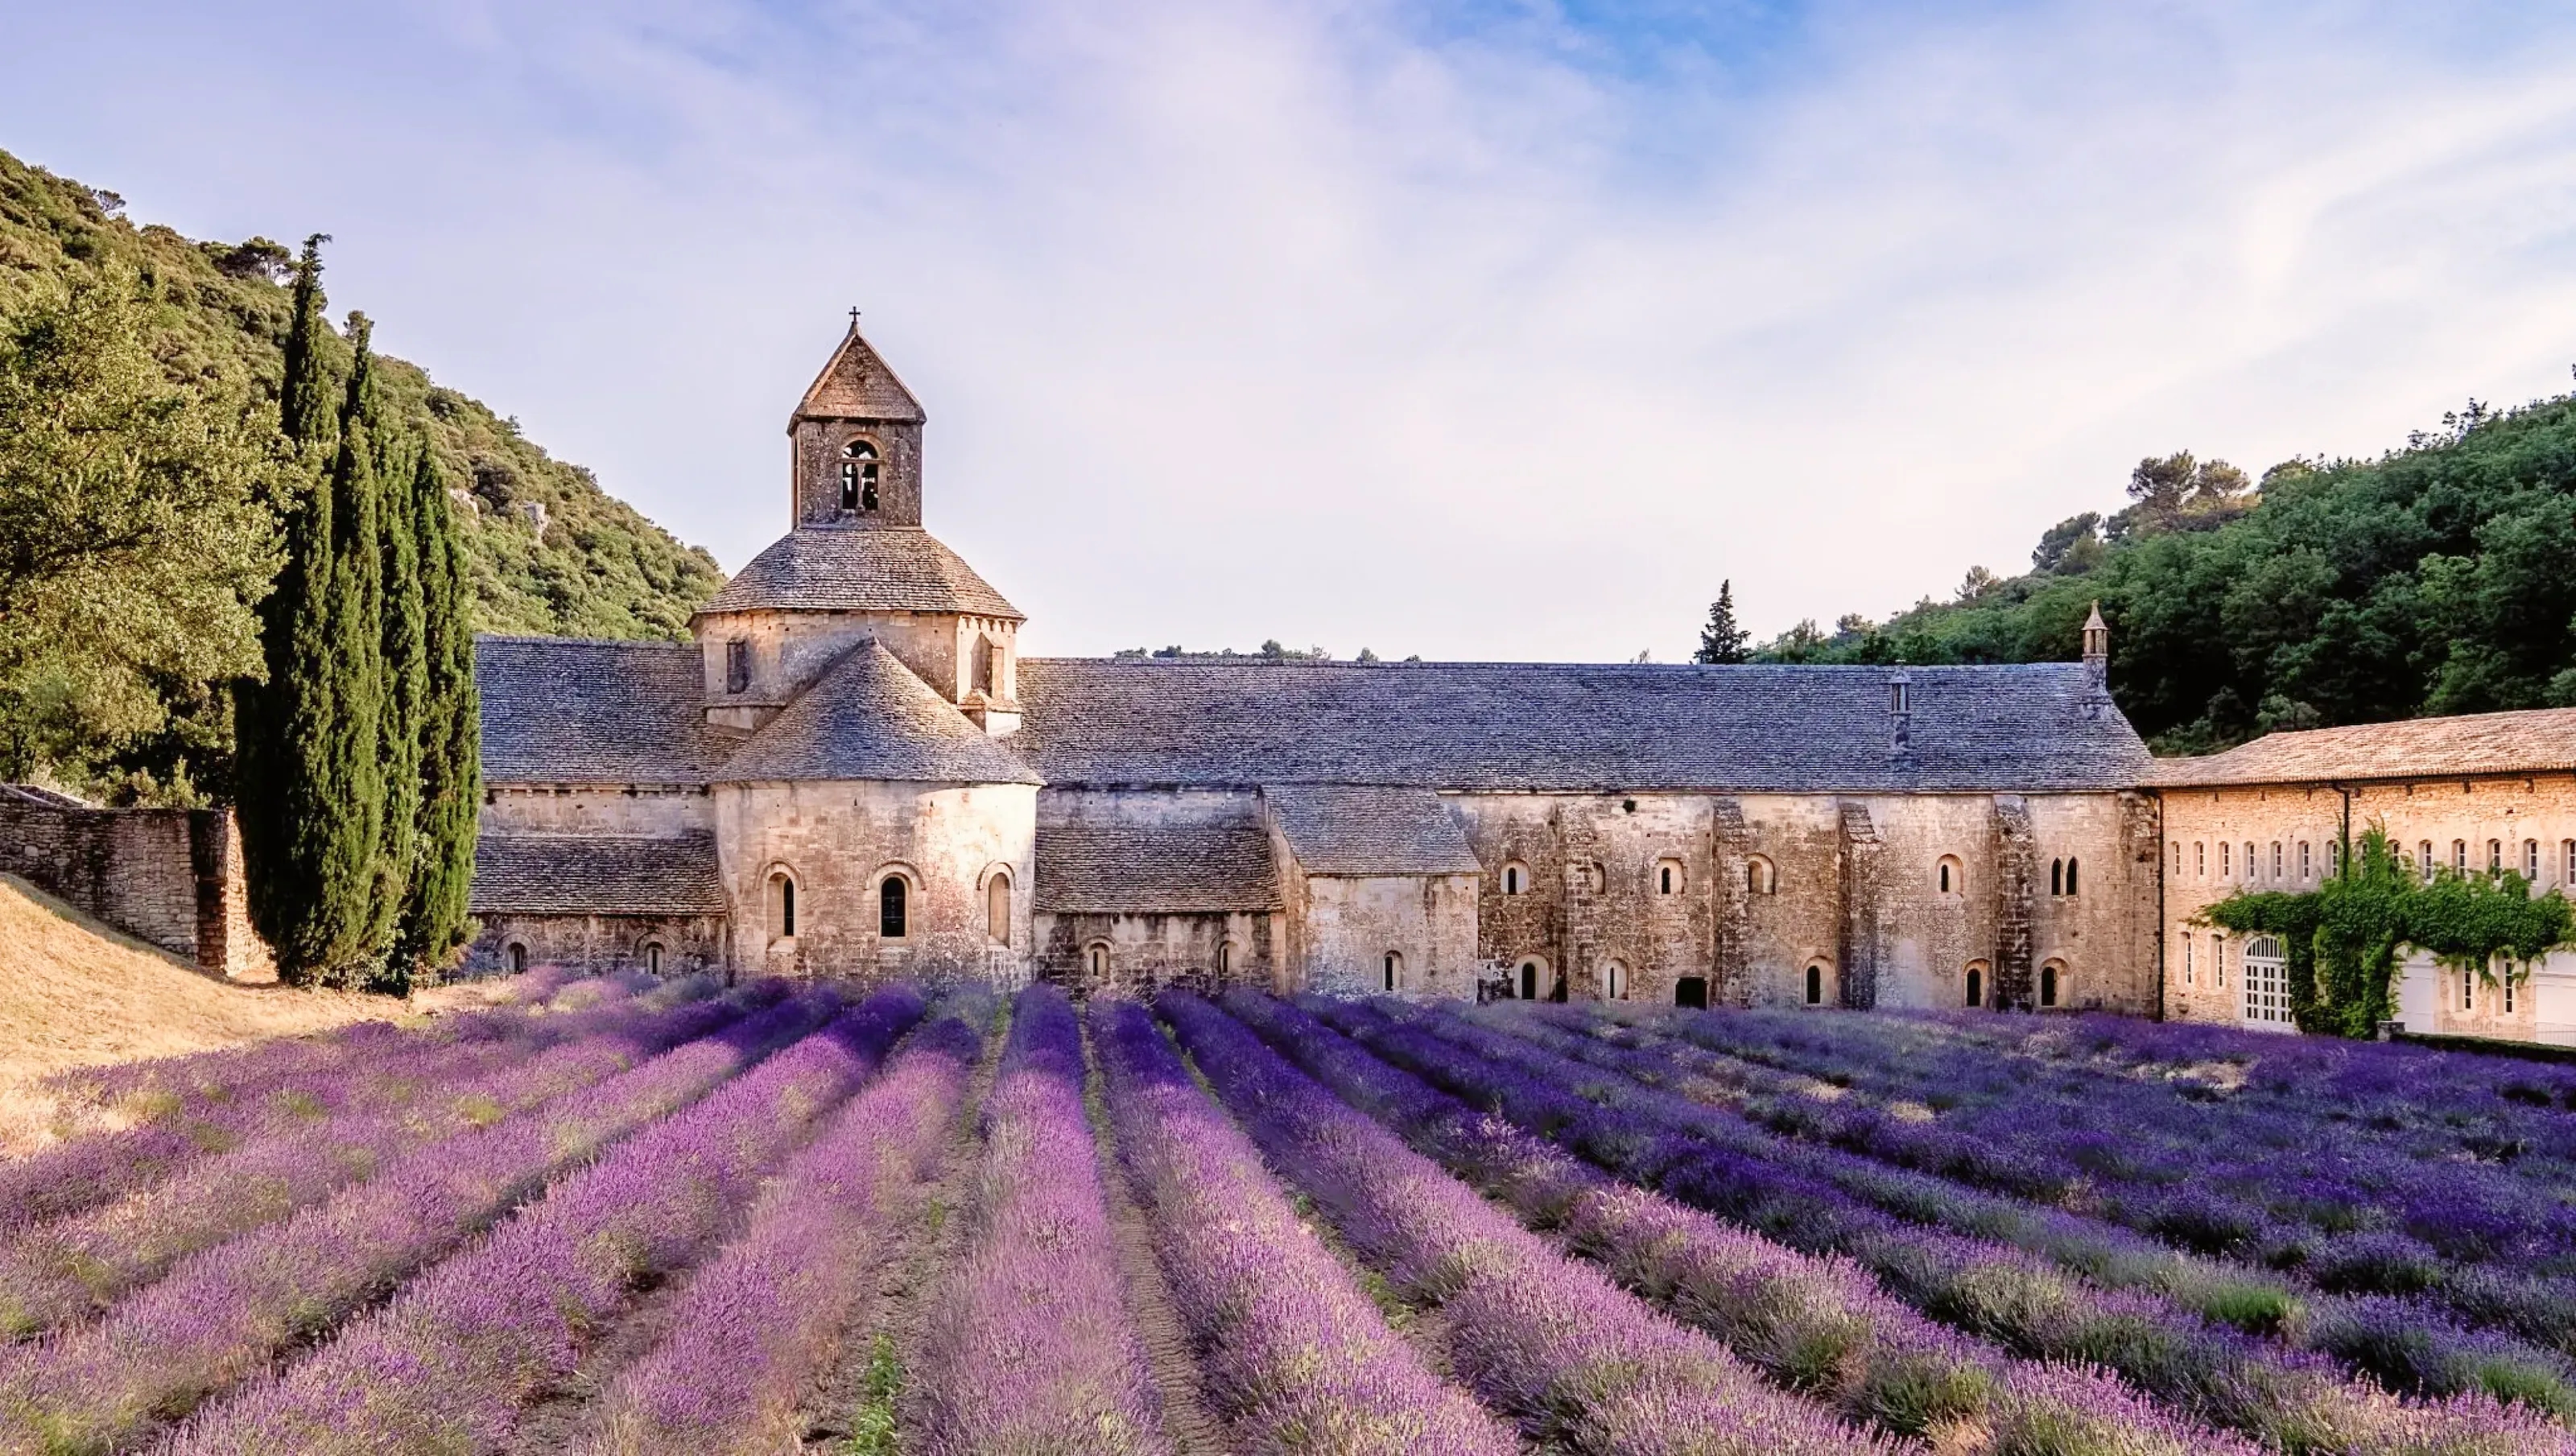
(1224, 958)
(2200, 858)
(2266, 981)
(1691, 991)
(1816, 984)
(1950, 877)
(997, 907)
(2226, 858)
(2177, 848)
(1516, 878)
(2218, 959)
(2057, 877)
(2249, 859)
(2304, 872)
(2427, 848)
(1531, 971)
(1760, 877)
(2531, 860)
(1669, 877)
(2567, 862)
(894, 897)
(1614, 982)
(1394, 969)
(2187, 968)
(518, 957)
(652, 956)
(2495, 856)
(2071, 869)
(1976, 983)
(2050, 975)
(782, 905)
(2460, 856)
(858, 476)
(1097, 960)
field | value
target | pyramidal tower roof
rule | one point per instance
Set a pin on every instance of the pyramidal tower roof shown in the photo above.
(857, 385)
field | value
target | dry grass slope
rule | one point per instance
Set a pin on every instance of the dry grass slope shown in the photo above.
(76, 993)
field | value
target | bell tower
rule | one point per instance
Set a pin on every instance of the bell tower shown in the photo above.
(855, 444)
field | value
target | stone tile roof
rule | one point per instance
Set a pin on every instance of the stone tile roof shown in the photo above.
(586, 874)
(566, 710)
(868, 717)
(1338, 829)
(2538, 741)
(857, 385)
(1547, 726)
(860, 569)
(1143, 868)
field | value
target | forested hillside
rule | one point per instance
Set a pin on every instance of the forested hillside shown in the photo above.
(546, 549)
(2439, 578)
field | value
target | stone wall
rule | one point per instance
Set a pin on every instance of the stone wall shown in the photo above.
(817, 446)
(1766, 887)
(625, 811)
(598, 943)
(168, 877)
(1352, 924)
(790, 650)
(2206, 832)
(838, 841)
(1138, 955)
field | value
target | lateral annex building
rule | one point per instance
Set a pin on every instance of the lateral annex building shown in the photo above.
(850, 771)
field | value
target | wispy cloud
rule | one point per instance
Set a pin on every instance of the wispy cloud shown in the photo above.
(1475, 331)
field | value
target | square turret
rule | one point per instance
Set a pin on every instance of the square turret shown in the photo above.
(855, 444)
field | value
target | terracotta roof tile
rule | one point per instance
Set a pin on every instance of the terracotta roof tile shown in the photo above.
(2537, 741)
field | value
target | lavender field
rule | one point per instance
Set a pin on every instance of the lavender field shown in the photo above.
(623, 1216)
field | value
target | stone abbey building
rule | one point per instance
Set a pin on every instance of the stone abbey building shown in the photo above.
(851, 771)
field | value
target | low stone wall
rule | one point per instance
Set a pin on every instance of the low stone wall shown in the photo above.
(597, 943)
(168, 877)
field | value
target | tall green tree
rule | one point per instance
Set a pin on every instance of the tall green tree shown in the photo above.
(285, 723)
(349, 830)
(405, 654)
(451, 742)
(1720, 640)
(132, 535)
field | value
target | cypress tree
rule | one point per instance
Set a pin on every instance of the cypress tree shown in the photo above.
(451, 722)
(282, 723)
(342, 820)
(404, 652)
(1720, 640)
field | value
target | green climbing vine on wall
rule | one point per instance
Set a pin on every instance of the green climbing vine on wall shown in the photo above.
(2343, 938)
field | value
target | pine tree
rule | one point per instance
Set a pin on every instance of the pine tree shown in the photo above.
(451, 770)
(1721, 640)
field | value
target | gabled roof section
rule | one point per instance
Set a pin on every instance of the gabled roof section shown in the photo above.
(856, 385)
(585, 874)
(887, 569)
(2541, 740)
(565, 710)
(1552, 727)
(1127, 869)
(869, 717)
(1343, 829)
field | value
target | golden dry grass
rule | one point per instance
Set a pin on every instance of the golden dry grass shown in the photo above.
(77, 993)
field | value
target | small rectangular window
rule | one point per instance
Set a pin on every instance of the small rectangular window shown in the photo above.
(2226, 859)
(2200, 859)
(2186, 960)
(737, 666)
(2303, 859)
(2531, 859)
(2495, 856)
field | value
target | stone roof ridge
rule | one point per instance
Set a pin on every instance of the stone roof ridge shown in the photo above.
(819, 568)
(1854, 669)
(869, 717)
(514, 638)
(856, 383)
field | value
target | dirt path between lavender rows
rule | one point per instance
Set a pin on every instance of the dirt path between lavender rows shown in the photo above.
(1193, 1428)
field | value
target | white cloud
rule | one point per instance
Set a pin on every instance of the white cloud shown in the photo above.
(1239, 319)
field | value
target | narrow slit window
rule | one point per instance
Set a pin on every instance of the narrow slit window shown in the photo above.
(2072, 870)
(893, 908)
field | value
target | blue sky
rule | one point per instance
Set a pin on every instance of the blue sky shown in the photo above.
(1483, 330)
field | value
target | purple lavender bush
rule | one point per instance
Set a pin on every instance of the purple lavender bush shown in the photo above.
(1820, 1326)
(755, 1326)
(221, 1315)
(1030, 1345)
(448, 1364)
(1294, 1355)
(71, 1268)
(1575, 1360)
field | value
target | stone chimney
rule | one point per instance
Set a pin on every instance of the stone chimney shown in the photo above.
(2097, 647)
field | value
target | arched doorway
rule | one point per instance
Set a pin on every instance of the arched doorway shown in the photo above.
(1691, 992)
(1816, 984)
(2267, 983)
(1976, 983)
(2049, 976)
(1529, 980)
